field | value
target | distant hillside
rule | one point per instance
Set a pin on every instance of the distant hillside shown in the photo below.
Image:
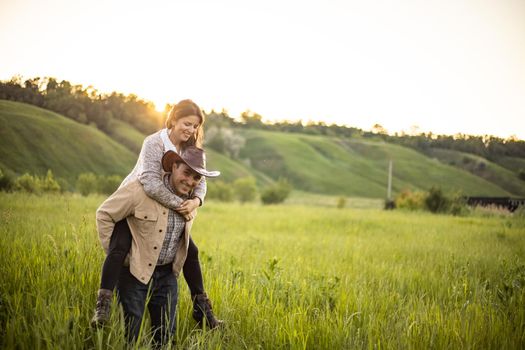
(127, 135)
(354, 167)
(483, 168)
(33, 140)
(514, 164)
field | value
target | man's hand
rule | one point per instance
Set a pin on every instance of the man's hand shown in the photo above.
(187, 207)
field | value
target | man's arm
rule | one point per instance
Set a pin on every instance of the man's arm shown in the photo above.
(115, 208)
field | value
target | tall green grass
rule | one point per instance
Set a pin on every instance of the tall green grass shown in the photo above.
(282, 277)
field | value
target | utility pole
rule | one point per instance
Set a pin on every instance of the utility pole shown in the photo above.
(389, 203)
(389, 190)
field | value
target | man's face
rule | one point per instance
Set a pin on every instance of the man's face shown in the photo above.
(184, 179)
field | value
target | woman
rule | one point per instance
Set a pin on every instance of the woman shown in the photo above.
(184, 127)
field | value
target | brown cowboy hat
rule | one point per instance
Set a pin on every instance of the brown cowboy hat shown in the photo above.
(193, 157)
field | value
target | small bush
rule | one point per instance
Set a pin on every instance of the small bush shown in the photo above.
(341, 202)
(458, 205)
(6, 182)
(108, 184)
(49, 183)
(87, 183)
(276, 193)
(28, 183)
(220, 190)
(64, 184)
(389, 204)
(436, 201)
(245, 189)
(411, 200)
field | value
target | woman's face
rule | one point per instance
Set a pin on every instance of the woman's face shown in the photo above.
(185, 127)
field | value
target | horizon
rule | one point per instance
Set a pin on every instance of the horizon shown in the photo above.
(444, 67)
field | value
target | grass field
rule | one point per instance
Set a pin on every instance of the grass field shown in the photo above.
(283, 277)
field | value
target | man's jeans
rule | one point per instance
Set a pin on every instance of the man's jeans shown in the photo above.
(161, 293)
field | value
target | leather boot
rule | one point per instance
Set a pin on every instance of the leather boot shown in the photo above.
(202, 311)
(101, 316)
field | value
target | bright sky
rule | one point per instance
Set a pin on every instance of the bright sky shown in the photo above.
(447, 66)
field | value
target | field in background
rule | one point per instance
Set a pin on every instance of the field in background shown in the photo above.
(283, 277)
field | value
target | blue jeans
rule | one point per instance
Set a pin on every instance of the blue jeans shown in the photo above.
(161, 293)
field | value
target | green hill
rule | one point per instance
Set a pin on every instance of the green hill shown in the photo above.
(33, 140)
(483, 168)
(354, 167)
(512, 163)
(126, 135)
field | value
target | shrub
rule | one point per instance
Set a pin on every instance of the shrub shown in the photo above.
(245, 189)
(108, 184)
(458, 205)
(341, 202)
(6, 182)
(276, 193)
(64, 184)
(411, 200)
(389, 204)
(224, 141)
(87, 183)
(49, 184)
(28, 183)
(219, 190)
(436, 201)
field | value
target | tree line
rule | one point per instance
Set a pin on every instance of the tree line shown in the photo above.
(88, 106)
(85, 105)
(487, 146)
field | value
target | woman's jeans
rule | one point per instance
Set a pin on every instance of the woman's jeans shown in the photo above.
(161, 293)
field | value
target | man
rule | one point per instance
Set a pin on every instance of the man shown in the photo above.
(160, 243)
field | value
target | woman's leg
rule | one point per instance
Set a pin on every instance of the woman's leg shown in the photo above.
(119, 246)
(192, 270)
(202, 308)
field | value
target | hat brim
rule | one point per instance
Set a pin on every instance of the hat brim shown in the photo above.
(170, 157)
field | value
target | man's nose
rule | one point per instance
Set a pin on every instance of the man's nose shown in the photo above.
(192, 182)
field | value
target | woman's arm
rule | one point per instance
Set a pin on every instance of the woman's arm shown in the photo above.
(200, 190)
(150, 173)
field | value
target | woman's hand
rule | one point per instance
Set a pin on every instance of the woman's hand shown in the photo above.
(187, 207)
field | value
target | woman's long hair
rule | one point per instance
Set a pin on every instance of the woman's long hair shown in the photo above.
(185, 108)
